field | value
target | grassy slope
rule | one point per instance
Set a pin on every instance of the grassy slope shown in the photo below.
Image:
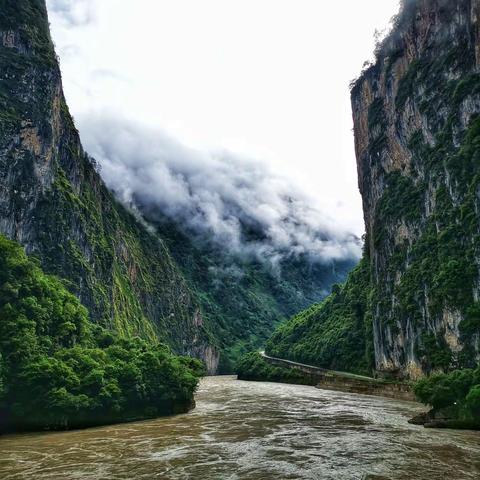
(334, 334)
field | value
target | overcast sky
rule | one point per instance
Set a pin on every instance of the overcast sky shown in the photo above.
(267, 79)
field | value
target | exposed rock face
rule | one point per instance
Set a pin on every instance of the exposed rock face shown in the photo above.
(53, 201)
(417, 139)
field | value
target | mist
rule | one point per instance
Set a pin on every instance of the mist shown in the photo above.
(238, 204)
(72, 12)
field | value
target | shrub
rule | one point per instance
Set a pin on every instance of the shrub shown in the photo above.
(458, 390)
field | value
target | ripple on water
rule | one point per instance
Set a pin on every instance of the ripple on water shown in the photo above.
(248, 430)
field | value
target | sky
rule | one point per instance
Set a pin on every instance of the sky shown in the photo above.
(266, 80)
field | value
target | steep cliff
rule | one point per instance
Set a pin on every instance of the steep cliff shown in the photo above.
(417, 139)
(53, 201)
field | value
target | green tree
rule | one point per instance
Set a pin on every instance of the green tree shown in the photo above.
(58, 370)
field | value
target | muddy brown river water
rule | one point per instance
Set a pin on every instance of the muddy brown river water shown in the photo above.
(250, 430)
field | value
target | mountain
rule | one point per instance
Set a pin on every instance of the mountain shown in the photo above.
(136, 273)
(246, 297)
(336, 333)
(412, 306)
(54, 202)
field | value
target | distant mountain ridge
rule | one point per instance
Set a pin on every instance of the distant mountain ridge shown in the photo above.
(246, 297)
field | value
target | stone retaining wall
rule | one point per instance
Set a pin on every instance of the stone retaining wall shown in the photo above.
(347, 382)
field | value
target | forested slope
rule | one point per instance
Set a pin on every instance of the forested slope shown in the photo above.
(58, 370)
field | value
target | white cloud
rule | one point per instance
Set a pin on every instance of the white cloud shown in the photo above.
(237, 202)
(268, 79)
(72, 12)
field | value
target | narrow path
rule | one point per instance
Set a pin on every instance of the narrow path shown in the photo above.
(348, 382)
(321, 370)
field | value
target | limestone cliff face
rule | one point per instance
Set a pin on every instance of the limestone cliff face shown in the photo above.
(417, 139)
(53, 201)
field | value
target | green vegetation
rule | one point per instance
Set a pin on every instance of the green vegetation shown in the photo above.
(28, 17)
(58, 370)
(403, 199)
(243, 298)
(134, 282)
(334, 334)
(30, 54)
(421, 250)
(456, 394)
(435, 350)
(252, 366)
(54, 196)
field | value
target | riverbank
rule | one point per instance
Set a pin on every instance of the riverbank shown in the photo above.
(260, 367)
(254, 367)
(444, 418)
(165, 409)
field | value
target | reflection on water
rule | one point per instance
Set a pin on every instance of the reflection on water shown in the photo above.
(249, 430)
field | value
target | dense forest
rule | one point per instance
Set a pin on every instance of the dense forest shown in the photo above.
(335, 333)
(454, 396)
(252, 366)
(59, 370)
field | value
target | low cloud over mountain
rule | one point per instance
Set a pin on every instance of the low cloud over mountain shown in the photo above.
(234, 202)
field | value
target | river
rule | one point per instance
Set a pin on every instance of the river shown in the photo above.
(251, 430)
